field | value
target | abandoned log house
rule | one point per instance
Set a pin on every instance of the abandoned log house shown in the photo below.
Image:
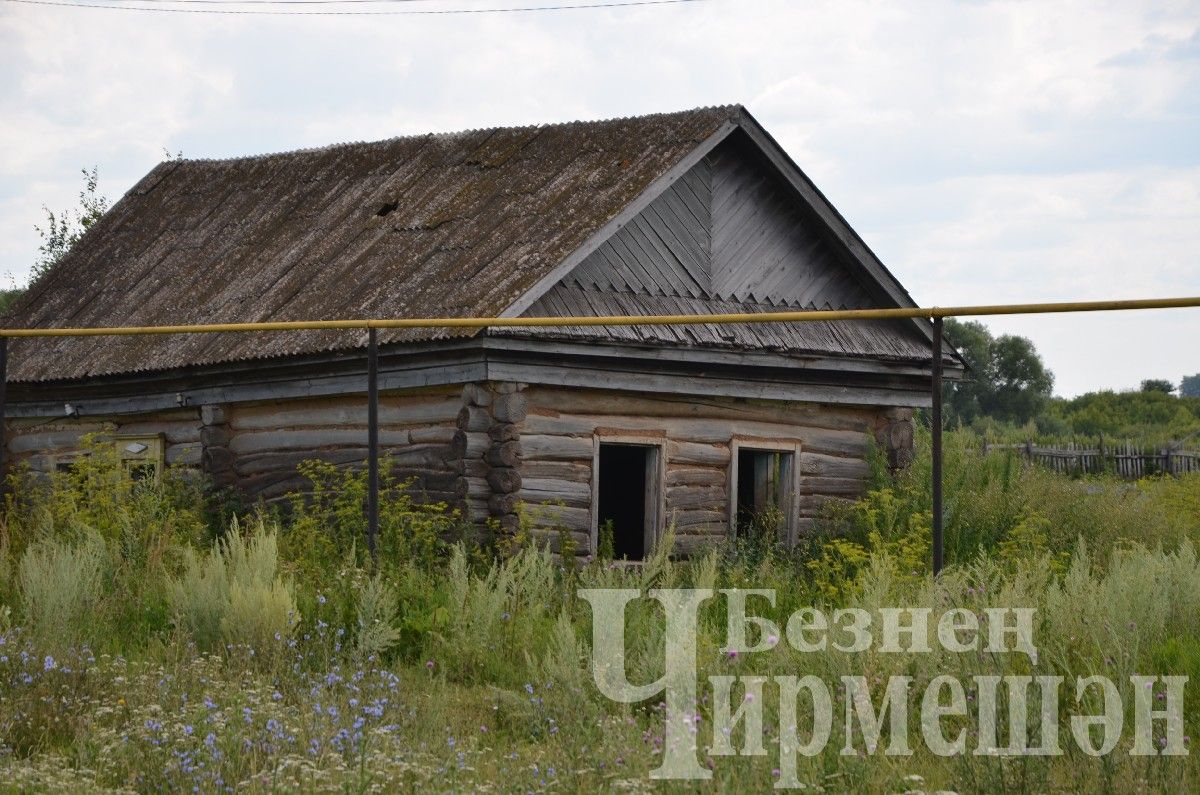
(699, 426)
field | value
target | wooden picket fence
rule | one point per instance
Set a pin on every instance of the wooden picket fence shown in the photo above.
(1125, 459)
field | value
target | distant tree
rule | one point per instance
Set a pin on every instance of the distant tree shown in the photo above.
(1158, 385)
(1146, 414)
(63, 230)
(7, 297)
(1008, 381)
(1190, 386)
(1022, 382)
(965, 399)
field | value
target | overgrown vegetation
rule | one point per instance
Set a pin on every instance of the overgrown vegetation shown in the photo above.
(144, 649)
(1006, 397)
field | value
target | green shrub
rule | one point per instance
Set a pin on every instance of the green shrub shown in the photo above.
(60, 585)
(997, 500)
(234, 594)
(99, 494)
(326, 528)
(376, 620)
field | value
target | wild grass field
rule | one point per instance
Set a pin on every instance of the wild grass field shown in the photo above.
(151, 641)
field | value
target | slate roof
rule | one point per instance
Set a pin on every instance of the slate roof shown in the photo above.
(453, 225)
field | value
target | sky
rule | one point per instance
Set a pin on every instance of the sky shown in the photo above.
(987, 152)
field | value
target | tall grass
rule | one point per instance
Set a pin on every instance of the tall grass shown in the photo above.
(60, 587)
(234, 593)
(259, 662)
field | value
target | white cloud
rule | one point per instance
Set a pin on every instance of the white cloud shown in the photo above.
(986, 150)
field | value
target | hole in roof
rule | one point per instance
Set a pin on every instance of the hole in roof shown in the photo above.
(387, 208)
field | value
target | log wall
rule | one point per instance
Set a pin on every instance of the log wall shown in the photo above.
(490, 447)
(268, 440)
(561, 425)
(39, 444)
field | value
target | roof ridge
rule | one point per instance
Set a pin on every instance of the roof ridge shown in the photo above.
(732, 109)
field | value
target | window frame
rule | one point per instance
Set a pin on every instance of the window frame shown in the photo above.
(656, 492)
(791, 511)
(154, 454)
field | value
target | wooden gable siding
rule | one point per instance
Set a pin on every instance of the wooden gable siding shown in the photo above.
(664, 249)
(765, 246)
(729, 228)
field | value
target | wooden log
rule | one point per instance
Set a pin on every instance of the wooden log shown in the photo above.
(694, 517)
(476, 395)
(504, 432)
(512, 407)
(556, 448)
(539, 492)
(310, 439)
(173, 431)
(838, 487)
(424, 456)
(256, 484)
(276, 492)
(416, 410)
(187, 454)
(559, 516)
(50, 440)
(557, 470)
(214, 414)
(548, 400)
(820, 465)
(504, 480)
(565, 489)
(260, 463)
(696, 476)
(473, 419)
(505, 454)
(429, 497)
(500, 504)
(38, 463)
(476, 508)
(441, 482)
(580, 540)
(692, 453)
(469, 445)
(834, 443)
(685, 497)
(478, 488)
(718, 529)
(695, 429)
(474, 468)
(432, 435)
(214, 436)
(217, 460)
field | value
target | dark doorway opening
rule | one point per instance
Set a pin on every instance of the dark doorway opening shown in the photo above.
(763, 492)
(624, 497)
